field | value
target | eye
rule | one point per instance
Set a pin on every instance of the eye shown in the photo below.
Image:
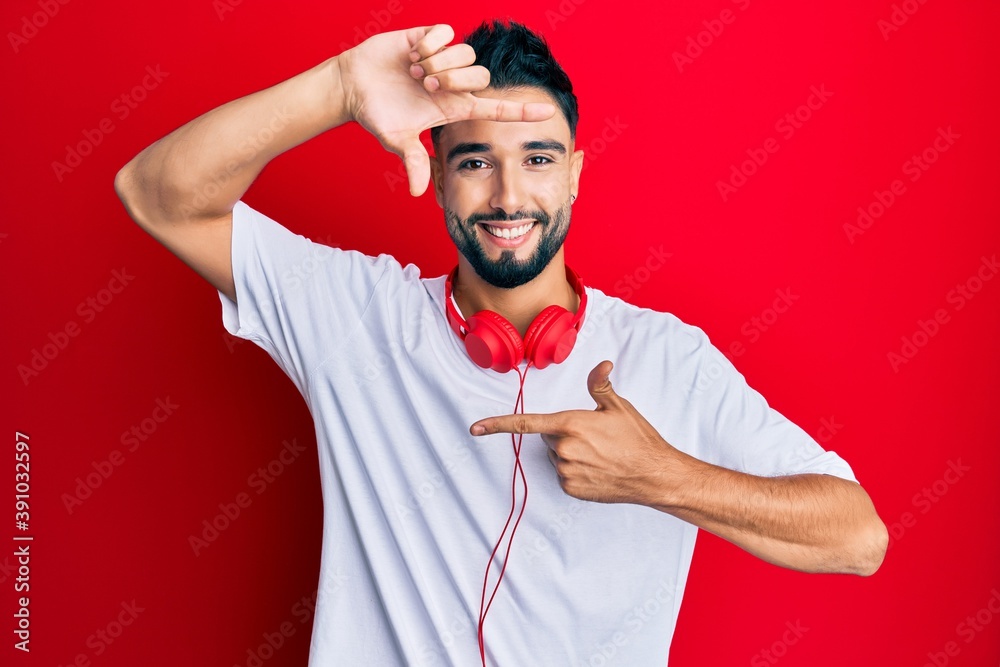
(464, 166)
(539, 157)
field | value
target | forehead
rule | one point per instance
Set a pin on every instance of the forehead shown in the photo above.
(508, 136)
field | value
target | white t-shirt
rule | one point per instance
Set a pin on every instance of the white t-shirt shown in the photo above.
(413, 504)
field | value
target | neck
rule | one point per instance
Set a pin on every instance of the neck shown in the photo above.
(519, 305)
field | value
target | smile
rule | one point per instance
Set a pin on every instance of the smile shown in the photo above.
(508, 232)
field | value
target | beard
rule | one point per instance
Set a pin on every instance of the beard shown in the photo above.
(507, 271)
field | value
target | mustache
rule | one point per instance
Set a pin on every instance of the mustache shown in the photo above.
(476, 218)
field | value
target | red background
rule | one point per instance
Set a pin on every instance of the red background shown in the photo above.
(653, 184)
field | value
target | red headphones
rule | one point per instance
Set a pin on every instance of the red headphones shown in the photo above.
(493, 342)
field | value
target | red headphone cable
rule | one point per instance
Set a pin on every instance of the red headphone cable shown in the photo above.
(516, 444)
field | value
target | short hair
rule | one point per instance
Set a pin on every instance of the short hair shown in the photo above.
(516, 57)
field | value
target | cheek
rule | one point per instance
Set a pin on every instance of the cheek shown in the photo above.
(552, 193)
(460, 203)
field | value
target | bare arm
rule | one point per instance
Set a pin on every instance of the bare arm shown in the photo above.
(182, 189)
(808, 522)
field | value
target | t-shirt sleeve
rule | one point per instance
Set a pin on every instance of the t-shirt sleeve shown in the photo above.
(740, 431)
(283, 280)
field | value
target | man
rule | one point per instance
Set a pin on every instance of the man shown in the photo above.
(413, 495)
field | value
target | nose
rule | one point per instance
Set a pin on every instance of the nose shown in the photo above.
(508, 192)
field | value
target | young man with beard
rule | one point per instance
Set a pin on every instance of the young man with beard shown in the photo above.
(413, 497)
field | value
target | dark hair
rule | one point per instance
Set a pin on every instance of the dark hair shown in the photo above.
(518, 58)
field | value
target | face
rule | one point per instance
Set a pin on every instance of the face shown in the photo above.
(505, 190)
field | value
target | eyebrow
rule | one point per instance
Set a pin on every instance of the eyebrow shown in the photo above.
(468, 147)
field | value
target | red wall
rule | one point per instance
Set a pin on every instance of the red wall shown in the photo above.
(661, 133)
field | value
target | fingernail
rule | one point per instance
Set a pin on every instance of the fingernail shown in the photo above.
(478, 429)
(417, 70)
(432, 83)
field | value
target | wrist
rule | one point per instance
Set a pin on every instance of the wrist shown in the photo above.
(678, 479)
(339, 97)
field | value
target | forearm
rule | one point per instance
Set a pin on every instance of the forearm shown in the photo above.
(200, 170)
(810, 522)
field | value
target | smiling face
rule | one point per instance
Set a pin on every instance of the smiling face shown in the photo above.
(505, 189)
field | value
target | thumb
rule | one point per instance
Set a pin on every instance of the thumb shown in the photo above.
(418, 167)
(599, 385)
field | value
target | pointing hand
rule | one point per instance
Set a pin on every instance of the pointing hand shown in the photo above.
(610, 454)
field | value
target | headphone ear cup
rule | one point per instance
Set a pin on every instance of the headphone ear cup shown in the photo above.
(550, 338)
(493, 342)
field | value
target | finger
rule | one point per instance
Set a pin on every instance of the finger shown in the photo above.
(452, 57)
(434, 39)
(465, 79)
(522, 423)
(599, 385)
(488, 108)
(413, 37)
(417, 163)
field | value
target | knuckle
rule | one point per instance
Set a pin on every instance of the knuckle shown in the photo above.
(444, 77)
(567, 425)
(464, 53)
(566, 451)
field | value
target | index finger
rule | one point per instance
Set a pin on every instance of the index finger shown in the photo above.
(554, 424)
(433, 39)
(489, 108)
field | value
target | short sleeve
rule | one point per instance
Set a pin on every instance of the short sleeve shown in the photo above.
(295, 298)
(740, 431)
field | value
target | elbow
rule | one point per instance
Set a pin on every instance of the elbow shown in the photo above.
(866, 544)
(875, 547)
(124, 180)
(129, 186)
(121, 181)
(867, 550)
(859, 551)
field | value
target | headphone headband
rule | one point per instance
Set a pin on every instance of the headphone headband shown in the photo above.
(496, 344)
(458, 323)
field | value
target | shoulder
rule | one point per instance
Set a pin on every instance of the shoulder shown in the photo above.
(302, 256)
(611, 316)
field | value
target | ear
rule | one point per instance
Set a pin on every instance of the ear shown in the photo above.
(575, 167)
(437, 177)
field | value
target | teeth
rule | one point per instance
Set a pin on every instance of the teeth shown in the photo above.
(506, 233)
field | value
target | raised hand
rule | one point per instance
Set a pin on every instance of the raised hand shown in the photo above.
(610, 454)
(398, 84)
